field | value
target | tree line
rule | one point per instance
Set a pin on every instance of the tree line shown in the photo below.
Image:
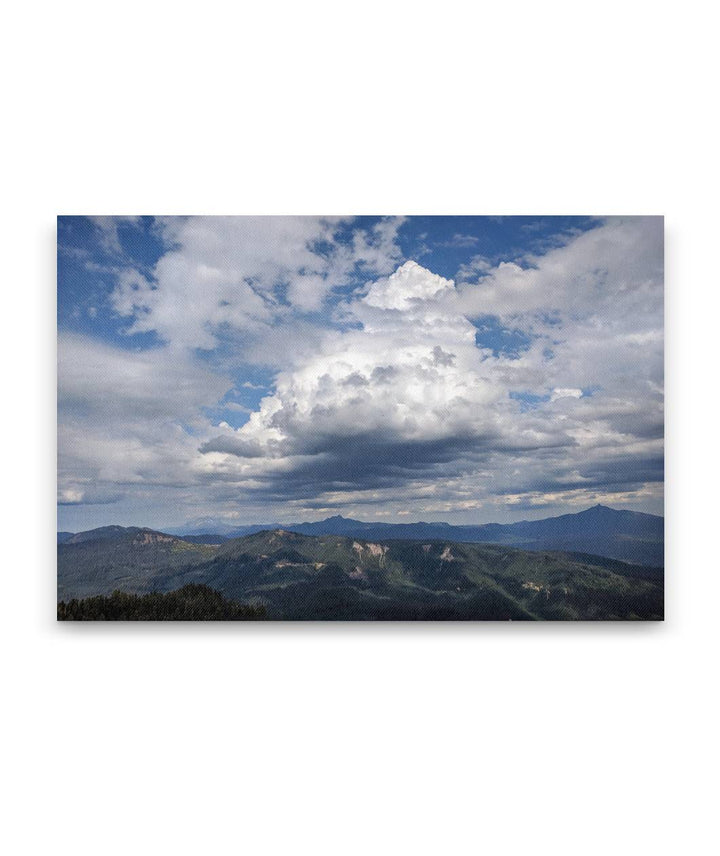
(192, 602)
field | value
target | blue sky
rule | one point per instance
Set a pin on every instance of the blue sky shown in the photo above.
(465, 369)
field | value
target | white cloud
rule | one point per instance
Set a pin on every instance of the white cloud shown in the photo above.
(409, 283)
(242, 273)
(565, 393)
(603, 272)
(411, 373)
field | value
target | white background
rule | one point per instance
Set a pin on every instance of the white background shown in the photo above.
(359, 739)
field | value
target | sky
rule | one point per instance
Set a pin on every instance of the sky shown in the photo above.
(236, 370)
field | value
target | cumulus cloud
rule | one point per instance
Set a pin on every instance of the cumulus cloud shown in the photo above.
(242, 273)
(408, 284)
(409, 396)
(410, 373)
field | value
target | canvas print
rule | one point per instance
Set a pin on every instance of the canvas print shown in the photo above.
(371, 418)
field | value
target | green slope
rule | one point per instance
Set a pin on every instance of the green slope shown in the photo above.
(333, 577)
(131, 559)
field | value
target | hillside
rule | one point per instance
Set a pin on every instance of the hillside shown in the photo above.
(295, 576)
(114, 557)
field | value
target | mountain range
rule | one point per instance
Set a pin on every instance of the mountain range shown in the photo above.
(629, 536)
(291, 575)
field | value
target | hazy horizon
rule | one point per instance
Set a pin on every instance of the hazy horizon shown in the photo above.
(201, 522)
